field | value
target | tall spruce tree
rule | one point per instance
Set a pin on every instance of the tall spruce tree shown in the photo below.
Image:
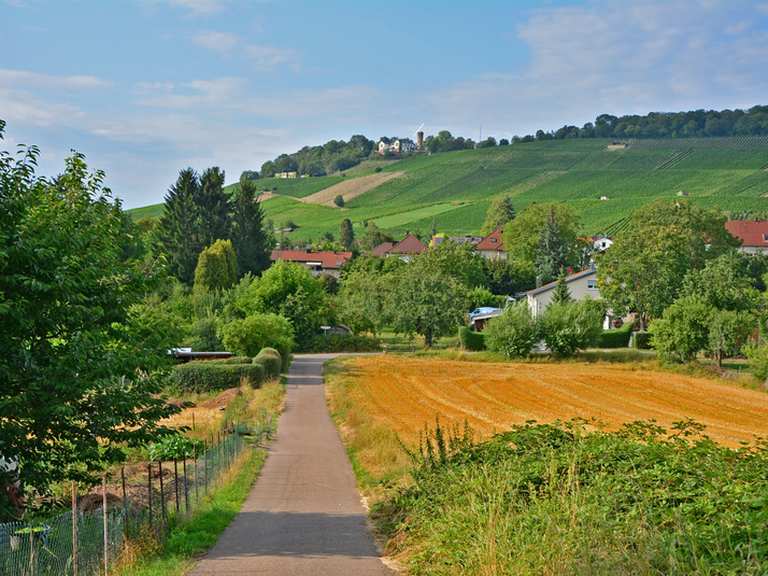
(214, 206)
(553, 252)
(562, 295)
(499, 213)
(347, 234)
(179, 231)
(251, 240)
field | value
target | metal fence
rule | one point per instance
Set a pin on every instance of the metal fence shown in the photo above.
(142, 500)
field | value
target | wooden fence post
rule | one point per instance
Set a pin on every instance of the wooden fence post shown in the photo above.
(104, 518)
(164, 511)
(149, 493)
(176, 482)
(74, 529)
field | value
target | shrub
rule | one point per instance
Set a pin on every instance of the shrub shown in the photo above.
(344, 343)
(216, 266)
(513, 333)
(271, 360)
(249, 335)
(471, 340)
(642, 341)
(206, 376)
(230, 360)
(683, 329)
(569, 327)
(758, 360)
(339, 201)
(618, 338)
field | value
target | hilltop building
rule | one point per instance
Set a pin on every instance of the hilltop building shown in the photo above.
(397, 146)
(753, 235)
(406, 249)
(492, 246)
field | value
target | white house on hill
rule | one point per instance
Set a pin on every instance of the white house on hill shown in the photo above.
(581, 285)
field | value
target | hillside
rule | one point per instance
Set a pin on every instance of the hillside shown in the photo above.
(452, 190)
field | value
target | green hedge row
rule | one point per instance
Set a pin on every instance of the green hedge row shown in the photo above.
(642, 341)
(271, 360)
(343, 343)
(471, 340)
(618, 338)
(230, 360)
(206, 376)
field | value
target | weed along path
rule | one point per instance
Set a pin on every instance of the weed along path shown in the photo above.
(304, 514)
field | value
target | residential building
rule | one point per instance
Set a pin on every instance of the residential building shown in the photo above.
(397, 146)
(492, 246)
(287, 175)
(601, 243)
(325, 262)
(406, 249)
(581, 285)
(753, 235)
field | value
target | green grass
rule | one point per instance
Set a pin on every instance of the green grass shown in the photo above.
(452, 190)
(195, 535)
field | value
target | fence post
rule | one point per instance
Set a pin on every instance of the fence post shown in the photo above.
(176, 483)
(104, 519)
(205, 468)
(74, 528)
(186, 485)
(162, 493)
(125, 498)
(149, 493)
(197, 479)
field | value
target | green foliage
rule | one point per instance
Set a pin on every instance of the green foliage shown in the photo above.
(664, 241)
(344, 343)
(616, 338)
(514, 333)
(460, 261)
(250, 334)
(230, 360)
(509, 277)
(151, 329)
(426, 301)
(471, 340)
(207, 376)
(216, 267)
(568, 328)
(500, 212)
(642, 340)
(289, 290)
(271, 360)
(175, 447)
(728, 332)
(249, 236)
(75, 388)
(179, 230)
(333, 156)
(480, 296)
(564, 499)
(561, 294)
(683, 329)
(347, 234)
(363, 297)
(339, 201)
(724, 283)
(758, 360)
(214, 207)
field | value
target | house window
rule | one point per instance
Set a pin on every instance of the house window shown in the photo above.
(765, 236)
(592, 284)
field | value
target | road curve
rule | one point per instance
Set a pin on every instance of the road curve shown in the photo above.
(304, 514)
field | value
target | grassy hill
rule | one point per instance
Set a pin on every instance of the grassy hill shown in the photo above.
(452, 190)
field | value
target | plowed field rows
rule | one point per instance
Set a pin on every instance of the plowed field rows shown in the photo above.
(404, 394)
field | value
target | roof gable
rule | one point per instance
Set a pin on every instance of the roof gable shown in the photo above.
(408, 245)
(327, 259)
(752, 233)
(494, 241)
(568, 280)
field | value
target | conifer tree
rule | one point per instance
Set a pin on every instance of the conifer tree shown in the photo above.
(553, 250)
(252, 242)
(347, 234)
(561, 294)
(214, 206)
(179, 231)
(499, 213)
(216, 266)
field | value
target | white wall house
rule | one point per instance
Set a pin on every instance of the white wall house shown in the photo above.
(580, 285)
(396, 146)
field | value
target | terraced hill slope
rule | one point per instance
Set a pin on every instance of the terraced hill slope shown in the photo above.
(451, 191)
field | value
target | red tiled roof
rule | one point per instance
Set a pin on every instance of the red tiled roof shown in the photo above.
(408, 245)
(750, 232)
(493, 241)
(328, 260)
(382, 249)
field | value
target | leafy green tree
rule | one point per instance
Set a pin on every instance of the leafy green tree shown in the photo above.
(500, 212)
(290, 290)
(347, 234)
(561, 295)
(216, 266)
(374, 236)
(724, 283)
(426, 301)
(74, 389)
(683, 330)
(508, 276)
(514, 333)
(728, 332)
(544, 237)
(664, 241)
(339, 201)
(250, 237)
(481, 296)
(248, 336)
(180, 226)
(363, 298)
(457, 260)
(568, 328)
(213, 204)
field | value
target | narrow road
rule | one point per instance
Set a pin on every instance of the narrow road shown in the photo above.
(304, 514)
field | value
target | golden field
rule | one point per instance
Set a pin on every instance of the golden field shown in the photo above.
(404, 394)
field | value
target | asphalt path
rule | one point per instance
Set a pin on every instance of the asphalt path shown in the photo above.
(304, 514)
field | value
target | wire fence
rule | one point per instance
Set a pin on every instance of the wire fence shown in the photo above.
(142, 500)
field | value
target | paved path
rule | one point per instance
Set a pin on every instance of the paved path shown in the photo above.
(304, 514)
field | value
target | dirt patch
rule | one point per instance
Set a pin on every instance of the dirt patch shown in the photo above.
(614, 147)
(264, 196)
(351, 188)
(405, 394)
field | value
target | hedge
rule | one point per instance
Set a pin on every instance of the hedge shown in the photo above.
(343, 343)
(618, 338)
(471, 340)
(271, 360)
(206, 376)
(642, 341)
(230, 360)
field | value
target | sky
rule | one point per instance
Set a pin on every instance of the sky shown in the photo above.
(145, 88)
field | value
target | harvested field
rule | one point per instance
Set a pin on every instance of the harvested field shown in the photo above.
(405, 394)
(350, 188)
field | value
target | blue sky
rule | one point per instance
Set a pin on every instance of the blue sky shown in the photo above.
(147, 87)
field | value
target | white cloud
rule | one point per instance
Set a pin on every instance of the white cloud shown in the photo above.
(221, 42)
(199, 7)
(269, 57)
(26, 78)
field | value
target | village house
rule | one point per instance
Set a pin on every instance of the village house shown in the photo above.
(492, 246)
(753, 235)
(397, 146)
(406, 249)
(601, 243)
(287, 175)
(325, 262)
(581, 285)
